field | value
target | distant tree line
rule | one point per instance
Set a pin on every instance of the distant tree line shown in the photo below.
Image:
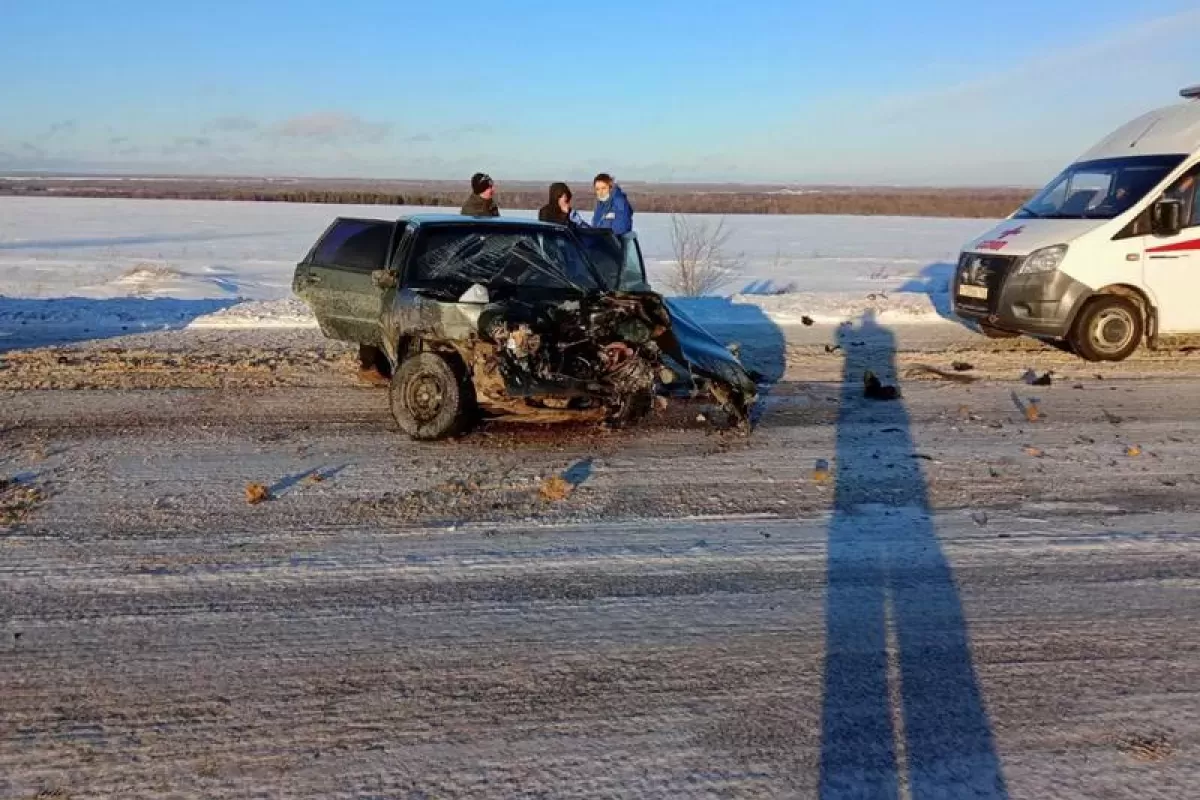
(978, 203)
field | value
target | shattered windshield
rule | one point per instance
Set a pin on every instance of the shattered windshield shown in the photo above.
(1101, 189)
(617, 259)
(448, 260)
(606, 253)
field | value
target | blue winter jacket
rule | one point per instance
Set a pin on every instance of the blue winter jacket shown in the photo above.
(615, 213)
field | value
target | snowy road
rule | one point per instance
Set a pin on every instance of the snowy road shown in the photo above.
(969, 604)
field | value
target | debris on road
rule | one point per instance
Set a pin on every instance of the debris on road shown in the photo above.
(1034, 452)
(962, 366)
(1030, 409)
(955, 377)
(1146, 747)
(1133, 451)
(1111, 418)
(807, 321)
(17, 502)
(821, 471)
(1033, 379)
(257, 493)
(555, 489)
(874, 389)
(980, 518)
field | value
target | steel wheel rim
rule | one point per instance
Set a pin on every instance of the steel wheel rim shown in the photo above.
(1113, 330)
(424, 397)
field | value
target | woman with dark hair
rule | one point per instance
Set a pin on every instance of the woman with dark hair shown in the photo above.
(559, 210)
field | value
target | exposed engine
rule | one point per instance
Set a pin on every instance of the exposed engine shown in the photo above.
(580, 354)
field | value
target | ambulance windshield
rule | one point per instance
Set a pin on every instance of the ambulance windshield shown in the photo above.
(1101, 189)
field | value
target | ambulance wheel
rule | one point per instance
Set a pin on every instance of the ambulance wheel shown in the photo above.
(1109, 328)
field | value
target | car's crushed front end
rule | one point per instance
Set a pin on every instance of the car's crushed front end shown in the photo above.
(546, 343)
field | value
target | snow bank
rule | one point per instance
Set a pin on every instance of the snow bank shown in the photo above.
(118, 265)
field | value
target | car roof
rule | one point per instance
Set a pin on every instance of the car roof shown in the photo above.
(423, 220)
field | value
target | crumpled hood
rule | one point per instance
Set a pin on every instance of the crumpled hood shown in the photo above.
(692, 346)
(1020, 237)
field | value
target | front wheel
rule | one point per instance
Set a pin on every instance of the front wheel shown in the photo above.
(431, 397)
(1109, 328)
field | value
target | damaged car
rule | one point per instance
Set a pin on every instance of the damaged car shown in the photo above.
(511, 319)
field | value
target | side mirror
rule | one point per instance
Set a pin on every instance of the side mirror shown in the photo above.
(384, 279)
(1166, 217)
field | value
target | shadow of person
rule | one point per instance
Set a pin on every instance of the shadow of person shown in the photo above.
(902, 703)
(934, 282)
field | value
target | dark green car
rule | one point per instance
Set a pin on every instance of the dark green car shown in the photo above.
(510, 318)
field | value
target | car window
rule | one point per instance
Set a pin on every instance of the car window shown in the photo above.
(447, 260)
(355, 244)
(633, 275)
(605, 252)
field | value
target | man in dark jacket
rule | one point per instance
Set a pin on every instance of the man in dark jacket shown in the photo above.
(613, 209)
(559, 210)
(482, 201)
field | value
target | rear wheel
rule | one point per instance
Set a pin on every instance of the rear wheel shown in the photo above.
(431, 397)
(1109, 328)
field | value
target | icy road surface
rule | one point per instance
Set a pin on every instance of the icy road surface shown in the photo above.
(962, 603)
(985, 590)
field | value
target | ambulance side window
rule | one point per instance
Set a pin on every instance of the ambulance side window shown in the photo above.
(1185, 192)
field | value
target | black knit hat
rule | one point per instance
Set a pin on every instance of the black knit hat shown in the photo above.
(481, 182)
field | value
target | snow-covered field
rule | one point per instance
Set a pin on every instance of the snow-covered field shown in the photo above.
(104, 264)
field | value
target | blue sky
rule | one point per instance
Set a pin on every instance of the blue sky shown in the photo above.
(778, 90)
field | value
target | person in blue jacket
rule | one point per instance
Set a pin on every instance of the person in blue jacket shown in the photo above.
(613, 209)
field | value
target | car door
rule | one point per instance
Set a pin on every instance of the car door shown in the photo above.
(339, 278)
(1171, 264)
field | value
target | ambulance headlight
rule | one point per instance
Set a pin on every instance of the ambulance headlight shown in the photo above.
(1045, 260)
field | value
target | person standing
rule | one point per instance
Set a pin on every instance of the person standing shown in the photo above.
(482, 202)
(559, 209)
(613, 209)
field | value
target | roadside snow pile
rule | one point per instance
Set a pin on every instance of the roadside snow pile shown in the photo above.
(829, 308)
(288, 313)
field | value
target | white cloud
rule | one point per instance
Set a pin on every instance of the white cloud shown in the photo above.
(330, 126)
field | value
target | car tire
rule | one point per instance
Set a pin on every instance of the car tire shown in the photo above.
(1109, 328)
(431, 397)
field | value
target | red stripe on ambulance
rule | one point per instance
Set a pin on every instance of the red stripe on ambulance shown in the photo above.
(1194, 244)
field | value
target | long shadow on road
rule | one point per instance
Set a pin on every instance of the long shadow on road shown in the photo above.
(903, 705)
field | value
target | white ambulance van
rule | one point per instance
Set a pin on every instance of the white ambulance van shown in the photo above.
(1108, 254)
